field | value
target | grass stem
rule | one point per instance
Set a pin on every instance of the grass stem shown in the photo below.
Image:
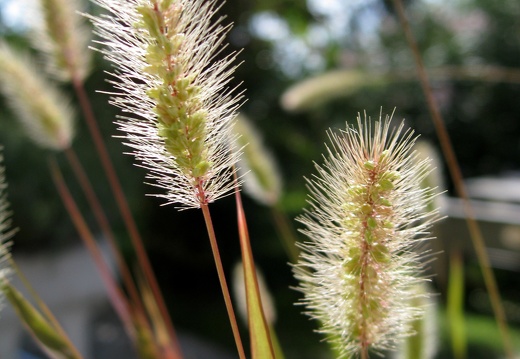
(115, 294)
(222, 279)
(454, 168)
(105, 226)
(115, 185)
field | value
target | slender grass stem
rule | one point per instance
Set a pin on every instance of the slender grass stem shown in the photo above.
(454, 168)
(222, 279)
(124, 208)
(115, 294)
(103, 222)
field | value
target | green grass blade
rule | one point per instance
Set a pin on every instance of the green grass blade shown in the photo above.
(455, 307)
(261, 346)
(43, 331)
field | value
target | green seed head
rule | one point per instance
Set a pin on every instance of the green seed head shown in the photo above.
(366, 208)
(385, 202)
(386, 184)
(371, 222)
(369, 165)
(369, 237)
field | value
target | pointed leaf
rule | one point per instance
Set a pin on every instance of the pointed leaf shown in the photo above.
(455, 306)
(261, 346)
(48, 336)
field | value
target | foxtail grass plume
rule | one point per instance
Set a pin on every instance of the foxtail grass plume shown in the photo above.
(44, 111)
(365, 224)
(175, 92)
(62, 36)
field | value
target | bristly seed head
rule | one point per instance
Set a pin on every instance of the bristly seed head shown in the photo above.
(175, 91)
(367, 217)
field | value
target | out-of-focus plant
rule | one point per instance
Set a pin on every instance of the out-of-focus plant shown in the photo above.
(62, 36)
(263, 180)
(455, 307)
(424, 343)
(6, 231)
(43, 327)
(47, 117)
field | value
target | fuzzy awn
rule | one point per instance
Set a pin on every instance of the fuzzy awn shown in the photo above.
(174, 90)
(366, 219)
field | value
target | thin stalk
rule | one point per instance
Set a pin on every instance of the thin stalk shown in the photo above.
(454, 168)
(222, 279)
(124, 209)
(43, 307)
(103, 222)
(116, 295)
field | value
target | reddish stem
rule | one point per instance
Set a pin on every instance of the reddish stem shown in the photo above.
(222, 277)
(116, 296)
(115, 185)
(103, 222)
